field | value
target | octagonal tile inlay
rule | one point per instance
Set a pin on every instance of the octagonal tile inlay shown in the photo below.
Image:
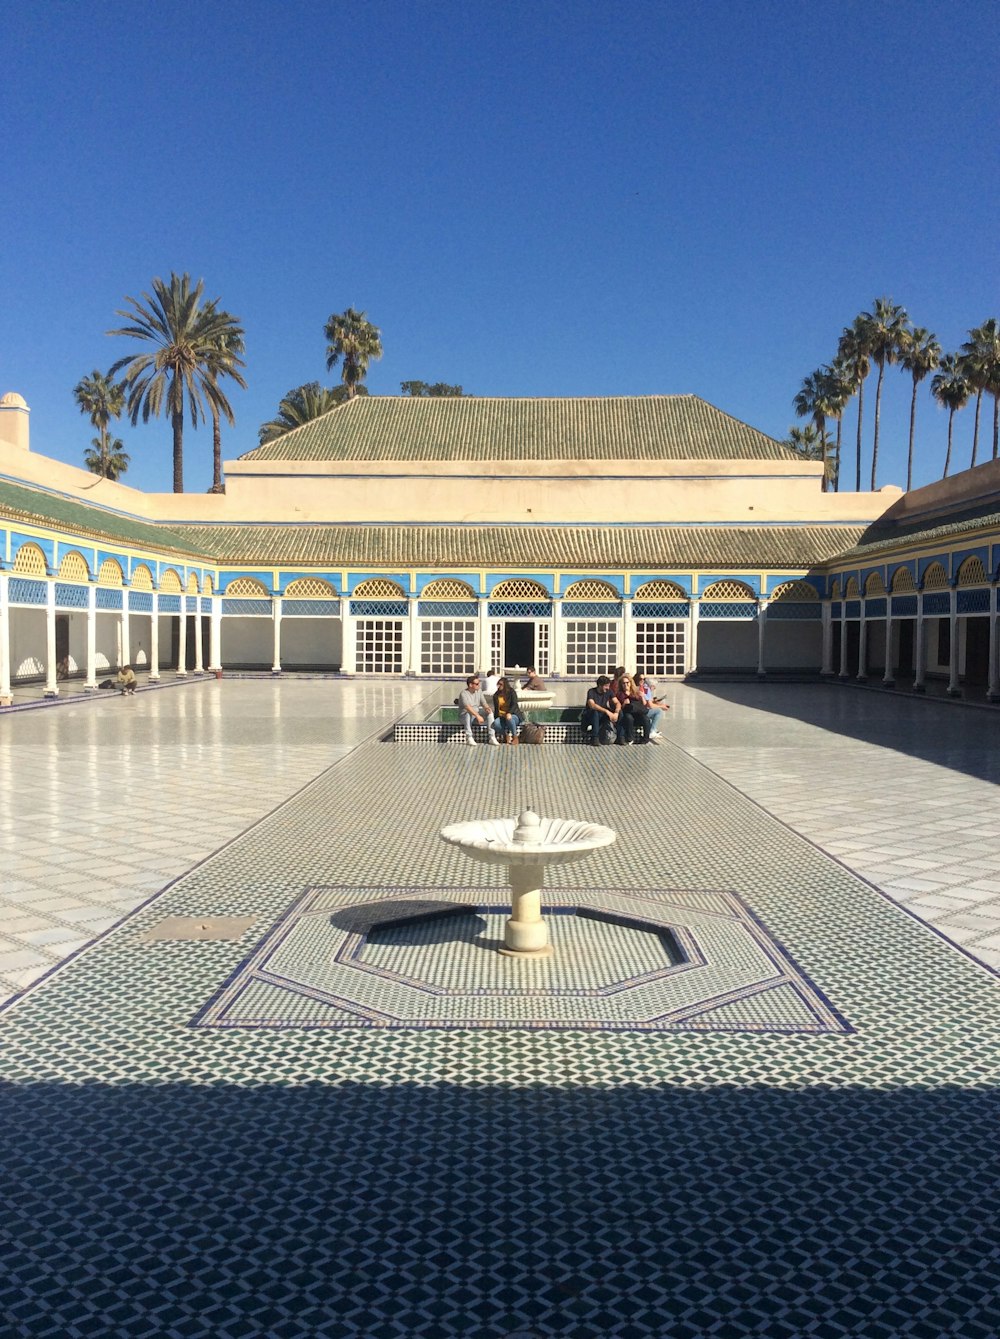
(647, 960)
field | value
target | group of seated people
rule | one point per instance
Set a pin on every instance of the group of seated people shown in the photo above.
(621, 709)
(490, 699)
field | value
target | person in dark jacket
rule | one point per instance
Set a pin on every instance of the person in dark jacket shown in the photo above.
(507, 711)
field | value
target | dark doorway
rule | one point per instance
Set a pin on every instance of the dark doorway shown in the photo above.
(62, 646)
(835, 649)
(853, 638)
(519, 644)
(905, 664)
(977, 652)
(175, 646)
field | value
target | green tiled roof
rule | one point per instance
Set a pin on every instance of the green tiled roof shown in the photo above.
(653, 427)
(20, 503)
(880, 537)
(577, 547)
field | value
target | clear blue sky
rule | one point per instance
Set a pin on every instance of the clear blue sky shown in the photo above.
(556, 199)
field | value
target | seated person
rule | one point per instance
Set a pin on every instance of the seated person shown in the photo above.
(533, 684)
(474, 706)
(508, 712)
(656, 707)
(625, 691)
(125, 680)
(602, 705)
(489, 679)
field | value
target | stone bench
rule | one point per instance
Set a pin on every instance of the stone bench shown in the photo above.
(444, 732)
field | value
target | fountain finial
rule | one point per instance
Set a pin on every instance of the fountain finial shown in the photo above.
(529, 827)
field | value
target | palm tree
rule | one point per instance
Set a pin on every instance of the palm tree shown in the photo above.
(224, 361)
(354, 341)
(814, 400)
(302, 405)
(885, 323)
(838, 394)
(106, 456)
(854, 359)
(951, 390)
(102, 399)
(919, 353)
(981, 362)
(812, 443)
(187, 333)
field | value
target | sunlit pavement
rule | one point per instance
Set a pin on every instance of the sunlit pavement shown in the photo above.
(300, 1169)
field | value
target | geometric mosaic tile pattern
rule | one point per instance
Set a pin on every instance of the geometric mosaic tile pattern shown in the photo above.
(627, 960)
(475, 1183)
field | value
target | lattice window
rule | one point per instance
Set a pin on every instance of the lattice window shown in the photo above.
(379, 646)
(447, 646)
(874, 585)
(794, 590)
(902, 581)
(835, 592)
(73, 567)
(206, 586)
(519, 588)
(971, 573)
(378, 588)
(728, 590)
(246, 586)
(660, 590)
(590, 589)
(30, 561)
(660, 649)
(448, 588)
(591, 646)
(852, 592)
(935, 578)
(110, 573)
(142, 578)
(170, 582)
(310, 588)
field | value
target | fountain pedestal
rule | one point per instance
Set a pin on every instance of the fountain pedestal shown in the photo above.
(526, 847)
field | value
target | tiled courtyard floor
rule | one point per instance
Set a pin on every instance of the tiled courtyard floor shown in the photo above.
(535, 1170)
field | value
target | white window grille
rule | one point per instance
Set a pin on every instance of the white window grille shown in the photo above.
(591, 646)
(447, 646)
(542, 640)
(660, 649)
(379, 646)
(496, 646)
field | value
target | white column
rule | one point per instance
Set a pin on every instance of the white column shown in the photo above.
(276, 621)
(215, 635)
(349, 649)
(843, 639)
(761, 636)
(826, 666)
(920, 648)
(90, 683)
(557, 651)
(693, 639)
(154, 640)
(199, 650)
(629, 649)
(862, 642)
(484, 657)
(888, 677)
(993, 678)
(51, 686)
(411, 638)
(182, 637)
(5, 687)
(953, 689)
(126, 648)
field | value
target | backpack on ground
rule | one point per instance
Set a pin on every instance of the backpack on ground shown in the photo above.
(532, 733)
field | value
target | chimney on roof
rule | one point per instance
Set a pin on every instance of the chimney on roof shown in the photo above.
(14, 415)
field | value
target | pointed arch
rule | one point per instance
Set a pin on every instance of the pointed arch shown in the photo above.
(519, 588)
(74, 567)
(874, 585)
(247, 586)
(309, 588)
(590, 588)
(728, 589)
(170, 582)
(378, 588)
(110, 573)
(852, 592)
(902, 582)
(206, 586)
(448, 588)
(30, 562)
(972, 572)
(660, 590)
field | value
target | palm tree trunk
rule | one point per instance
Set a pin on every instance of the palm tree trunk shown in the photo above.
(824, 449)
(913, 419)
(836, 480)
(104, 453)
(996, 420)
(177, 423)
(861, 403)
(975, 430)
(947, 459)
(216, 452)
(878, 412)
